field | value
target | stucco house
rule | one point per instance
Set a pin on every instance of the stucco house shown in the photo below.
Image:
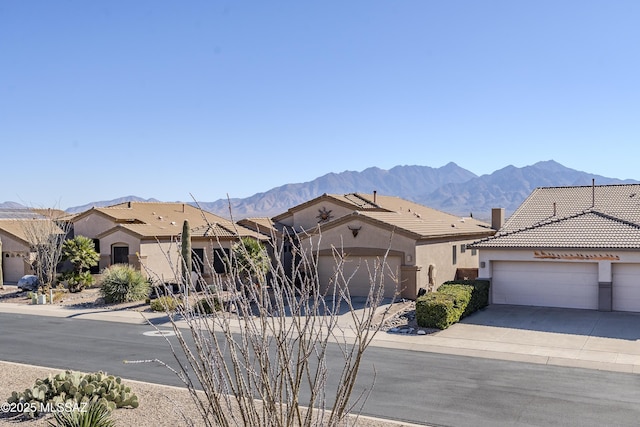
(575, 247)
(16, 249)
(146, 234)
(425, 246)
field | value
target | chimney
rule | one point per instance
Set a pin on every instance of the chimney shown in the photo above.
(129, 204)
(375, 193)
(554, 209)
(497, 218)
(593, 193)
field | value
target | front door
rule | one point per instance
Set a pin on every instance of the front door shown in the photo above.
(120, 255)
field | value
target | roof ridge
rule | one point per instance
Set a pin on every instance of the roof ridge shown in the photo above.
(614, 218)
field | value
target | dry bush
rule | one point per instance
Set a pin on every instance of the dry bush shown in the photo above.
(262, 359)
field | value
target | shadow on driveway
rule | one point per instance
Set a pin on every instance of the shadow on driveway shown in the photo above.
(617, 325)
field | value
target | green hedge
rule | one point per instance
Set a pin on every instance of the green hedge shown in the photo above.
(451, 302)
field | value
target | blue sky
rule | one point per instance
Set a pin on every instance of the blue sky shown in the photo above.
(166, 99)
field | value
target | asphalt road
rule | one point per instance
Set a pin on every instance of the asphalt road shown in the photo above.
(423, 388)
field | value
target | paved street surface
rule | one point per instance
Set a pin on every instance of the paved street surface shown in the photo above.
(415, 386)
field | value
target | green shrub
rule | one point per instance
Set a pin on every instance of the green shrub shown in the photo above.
(461, 295)
(71, 389)
(95, 414)
(451, 302)
(122, 283)
(479, 293)
(203, 306)
(165, 303)
(436, 310)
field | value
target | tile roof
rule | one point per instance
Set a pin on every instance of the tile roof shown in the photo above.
(15, 228)
(18, 229)
(602, 216)
(361, 202)
(161, 219)
(429, 223)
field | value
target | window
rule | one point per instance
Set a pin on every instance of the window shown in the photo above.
(463, 248)
(96, 268)
(455, 255)
(474, 252)
(220, 257)
(197, 261)
(120, 255)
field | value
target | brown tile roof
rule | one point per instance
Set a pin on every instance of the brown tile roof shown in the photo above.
(602, 217)
(160, 219)
(264, 225)
(430, 223)
(17, 227)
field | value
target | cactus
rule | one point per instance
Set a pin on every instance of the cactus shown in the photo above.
(186, 255)
(72, 387)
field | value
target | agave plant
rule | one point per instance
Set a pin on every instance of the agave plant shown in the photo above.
(95, 414)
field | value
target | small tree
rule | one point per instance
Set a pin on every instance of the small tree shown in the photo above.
(46, 235)
(81, 253)
(250, 258)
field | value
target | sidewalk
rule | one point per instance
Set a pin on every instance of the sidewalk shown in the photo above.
(563, 337)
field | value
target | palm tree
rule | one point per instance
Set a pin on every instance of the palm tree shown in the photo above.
(81, 253)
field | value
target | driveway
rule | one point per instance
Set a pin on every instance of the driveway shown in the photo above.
(566, 337)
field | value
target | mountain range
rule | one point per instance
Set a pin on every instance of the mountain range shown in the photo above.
(449, 188)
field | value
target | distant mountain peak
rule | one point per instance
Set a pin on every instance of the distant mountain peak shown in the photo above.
(448, 188)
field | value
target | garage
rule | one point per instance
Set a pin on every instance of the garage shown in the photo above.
(360, 267)
(625, 288)
(545, 284)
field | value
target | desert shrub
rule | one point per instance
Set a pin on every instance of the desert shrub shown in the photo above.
(95, 414)
(479, 293)
(451, 302)
(461, 295)
(122, 283)
(436, 310)
(204, 305)
(74, 389)
(165, 303)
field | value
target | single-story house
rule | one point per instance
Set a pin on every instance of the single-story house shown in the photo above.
(424, 246)
(574, 247)
(17, 228)
(16, 250)
(146, 235)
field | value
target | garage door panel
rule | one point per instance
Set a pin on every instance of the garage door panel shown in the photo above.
(547, 284)
(625, 289)
(360, 270)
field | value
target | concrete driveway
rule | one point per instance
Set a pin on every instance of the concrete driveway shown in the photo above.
(557, 336)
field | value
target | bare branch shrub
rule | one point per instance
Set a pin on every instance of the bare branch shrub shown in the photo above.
(261, 359)
(46, 234)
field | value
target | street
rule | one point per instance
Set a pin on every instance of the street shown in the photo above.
(418, 387)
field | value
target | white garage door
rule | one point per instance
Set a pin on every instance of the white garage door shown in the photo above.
(546, 284)
(625, 288)
(361, 268)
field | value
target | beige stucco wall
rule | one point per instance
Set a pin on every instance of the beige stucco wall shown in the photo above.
(307, 218)
(92, 225)
(118, 238)
(159, 260)
(14, 254)
(441, 256)
(370, 242)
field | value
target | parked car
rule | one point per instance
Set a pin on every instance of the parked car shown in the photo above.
(29, 283)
